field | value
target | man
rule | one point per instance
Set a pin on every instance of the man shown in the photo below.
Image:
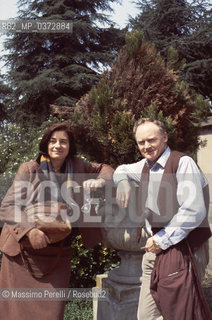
(171, 211)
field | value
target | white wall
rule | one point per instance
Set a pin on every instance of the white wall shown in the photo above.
(204, 159)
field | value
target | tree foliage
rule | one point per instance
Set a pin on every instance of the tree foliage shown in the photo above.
(5, 92)
(58, 68)
(186, 26)
(20, 144)
(139, 85)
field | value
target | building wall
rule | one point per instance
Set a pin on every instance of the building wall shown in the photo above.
(204, 159)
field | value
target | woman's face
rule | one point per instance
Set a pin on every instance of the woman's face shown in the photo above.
(58, 146)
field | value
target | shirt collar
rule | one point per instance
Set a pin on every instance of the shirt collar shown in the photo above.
(161, 162)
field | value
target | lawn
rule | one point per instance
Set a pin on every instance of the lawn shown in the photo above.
(79, 310)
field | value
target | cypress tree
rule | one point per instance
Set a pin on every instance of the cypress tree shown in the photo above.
(139, 85)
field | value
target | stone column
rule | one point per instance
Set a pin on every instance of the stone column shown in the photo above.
(123, 282)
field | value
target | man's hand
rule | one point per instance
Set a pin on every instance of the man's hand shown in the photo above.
(37, 239)
(151, 246)
(123, 193)
(93, 184)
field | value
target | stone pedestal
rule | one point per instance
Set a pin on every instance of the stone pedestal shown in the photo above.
(121, 302)
(123, 282)
(129, 271)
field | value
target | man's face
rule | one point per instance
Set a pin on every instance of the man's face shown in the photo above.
(151, 141)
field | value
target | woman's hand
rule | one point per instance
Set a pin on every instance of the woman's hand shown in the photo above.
(37, 238)
(93, 184)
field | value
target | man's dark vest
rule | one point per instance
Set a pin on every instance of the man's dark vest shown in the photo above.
(167, 201)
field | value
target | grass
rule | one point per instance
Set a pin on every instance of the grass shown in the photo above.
(79, 310)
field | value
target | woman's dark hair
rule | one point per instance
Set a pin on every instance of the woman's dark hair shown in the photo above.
(43, 145)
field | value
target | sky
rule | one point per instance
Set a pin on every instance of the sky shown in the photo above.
(8, 9)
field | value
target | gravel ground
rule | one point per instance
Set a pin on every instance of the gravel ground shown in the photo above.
(207, 287)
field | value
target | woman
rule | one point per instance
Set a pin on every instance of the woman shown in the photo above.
(43, 264)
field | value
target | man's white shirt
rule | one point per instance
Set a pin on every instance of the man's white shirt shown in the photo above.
(191, 210)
